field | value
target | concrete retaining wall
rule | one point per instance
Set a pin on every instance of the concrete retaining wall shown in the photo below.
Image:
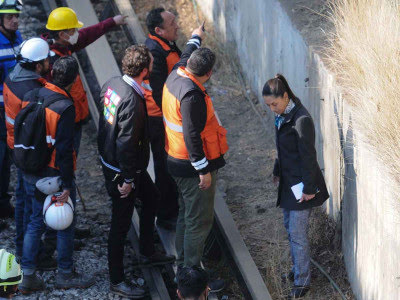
(267, 43)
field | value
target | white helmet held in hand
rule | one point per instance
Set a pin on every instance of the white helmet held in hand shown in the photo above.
(49, 185)
(58, 215)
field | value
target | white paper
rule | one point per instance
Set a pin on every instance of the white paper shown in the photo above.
(298, 190)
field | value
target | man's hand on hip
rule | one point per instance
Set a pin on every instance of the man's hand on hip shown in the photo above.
(205, 181)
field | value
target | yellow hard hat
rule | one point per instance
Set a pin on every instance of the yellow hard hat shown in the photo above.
(63, 18)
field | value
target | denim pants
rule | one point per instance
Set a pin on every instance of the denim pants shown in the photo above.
(195, 219)
(296, 224)
(35, 229)
(23, 211)
(4, 162)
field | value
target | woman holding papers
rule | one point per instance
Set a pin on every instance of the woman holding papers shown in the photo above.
(301, 183)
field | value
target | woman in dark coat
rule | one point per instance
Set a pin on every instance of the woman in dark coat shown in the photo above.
(296, 170)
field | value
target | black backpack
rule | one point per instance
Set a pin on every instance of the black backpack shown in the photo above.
(31, 153)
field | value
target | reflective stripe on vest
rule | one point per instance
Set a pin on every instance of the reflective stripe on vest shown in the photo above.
(52, 119)
(213, 135)
(50, 140)
(13, 105)
(9, 120)
(173, 126)
(78, 94)
(172, 59)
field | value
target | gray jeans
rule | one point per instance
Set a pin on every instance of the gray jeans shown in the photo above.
(296, 224)
(195, 219)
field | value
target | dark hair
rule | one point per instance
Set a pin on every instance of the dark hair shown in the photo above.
(277, 87)
(192, 281)
(31, 66)
(53, 34)
(65, 70)
(136, 59)
(154, 19)
(201, 61)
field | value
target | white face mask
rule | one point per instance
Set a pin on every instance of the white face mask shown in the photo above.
(73, 38)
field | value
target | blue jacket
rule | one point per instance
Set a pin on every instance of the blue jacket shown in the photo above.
(8, 52)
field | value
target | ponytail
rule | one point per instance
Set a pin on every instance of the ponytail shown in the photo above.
(277, 87)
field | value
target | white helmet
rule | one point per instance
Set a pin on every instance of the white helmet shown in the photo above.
(58, 215)
(10, 270)
(49, 185)
(35, 49)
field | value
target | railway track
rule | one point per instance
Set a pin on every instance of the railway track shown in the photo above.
(101, 58)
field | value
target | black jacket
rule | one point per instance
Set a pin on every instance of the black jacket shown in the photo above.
(123, 130)
(297, 160)
(159, 73)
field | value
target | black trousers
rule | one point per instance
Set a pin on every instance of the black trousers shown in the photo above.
(121, 219)
(168, 208)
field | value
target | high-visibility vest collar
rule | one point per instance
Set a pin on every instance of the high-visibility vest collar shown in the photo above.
(163, 44)
(184, 73)
(56, 89)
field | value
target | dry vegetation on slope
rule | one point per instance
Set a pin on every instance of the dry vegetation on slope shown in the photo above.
(365, 54)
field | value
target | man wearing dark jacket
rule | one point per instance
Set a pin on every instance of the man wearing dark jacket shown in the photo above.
(195, 143)
(60, 117)
(124, 152)
(163, 32)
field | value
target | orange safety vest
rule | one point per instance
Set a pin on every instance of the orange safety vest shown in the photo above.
(213, 135)
(78, 95)
(52, 118)
(13, 94)
(153, 109)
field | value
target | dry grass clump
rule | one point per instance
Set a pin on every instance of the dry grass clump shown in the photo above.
(365, 55)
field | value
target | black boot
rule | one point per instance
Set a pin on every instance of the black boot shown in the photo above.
(73, 280)
(127, 290)
(31, 283)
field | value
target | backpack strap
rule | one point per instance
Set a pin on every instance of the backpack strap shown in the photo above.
(52, 99)
(46, 101)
